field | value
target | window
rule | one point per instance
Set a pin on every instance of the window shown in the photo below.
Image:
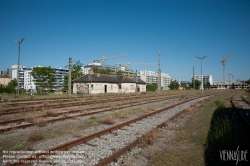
(120, 86)
(92, 87)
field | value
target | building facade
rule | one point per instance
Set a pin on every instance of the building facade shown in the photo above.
(102, 83)
(206, 78)
(5, 79)
(27, 82)
(152, 77)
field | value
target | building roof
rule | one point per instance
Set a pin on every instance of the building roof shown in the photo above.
(103, 78)
(5, 76)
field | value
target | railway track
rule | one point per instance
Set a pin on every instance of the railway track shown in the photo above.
(24, 123)
(109, 144)
(46, 105)
(242, 107)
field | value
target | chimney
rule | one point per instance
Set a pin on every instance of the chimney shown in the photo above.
(90, 71)
(98, 74)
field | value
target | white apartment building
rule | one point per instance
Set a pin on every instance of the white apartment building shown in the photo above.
(26, 81)
(152, 77)
(206, 78)
(29, 83)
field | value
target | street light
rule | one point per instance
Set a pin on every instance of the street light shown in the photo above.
(18, 70)
(201, 73)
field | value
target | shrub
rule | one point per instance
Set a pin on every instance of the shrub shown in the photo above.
(108, 120)
(148, 138)
(34, 136)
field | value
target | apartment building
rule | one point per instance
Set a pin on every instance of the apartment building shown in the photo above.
(27, 82)
(206, 78)
(152, 77)
(5, 79)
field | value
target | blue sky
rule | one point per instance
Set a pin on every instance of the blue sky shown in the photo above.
(55, 30)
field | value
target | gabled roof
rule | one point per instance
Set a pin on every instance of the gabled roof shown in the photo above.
(103, 78)
(139, 81)
(5, 76)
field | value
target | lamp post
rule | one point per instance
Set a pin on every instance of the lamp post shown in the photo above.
(201, 73)
(18, 68)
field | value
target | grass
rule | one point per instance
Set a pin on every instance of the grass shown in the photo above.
(188, 146)
(212, 128)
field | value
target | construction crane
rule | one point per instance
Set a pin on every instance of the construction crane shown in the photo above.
(103, 59)
(224, 66)
(126, 64)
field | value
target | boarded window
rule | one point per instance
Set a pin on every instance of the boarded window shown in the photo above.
(111, 87)
(120, 86)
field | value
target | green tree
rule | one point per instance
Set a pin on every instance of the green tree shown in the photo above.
(248, 81)
(44, 78)
(151, 87)
(76, 72)
(119, 72)
(10, 88)
(197, 84)
(174, 85)
(207, 85)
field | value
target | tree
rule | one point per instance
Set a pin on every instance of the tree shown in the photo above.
(197, 84)
(248, 81)
(75, 73)
(174, 85)
(207, 85)
(10, 88)
(44, 78)
(119, 72)
(151, 87)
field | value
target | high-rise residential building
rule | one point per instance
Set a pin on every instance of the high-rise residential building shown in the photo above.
(152, 77)
(27, 82)
(206, 78)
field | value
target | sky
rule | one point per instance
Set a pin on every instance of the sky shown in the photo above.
(85, 30)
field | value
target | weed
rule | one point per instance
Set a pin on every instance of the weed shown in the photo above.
(148, 138)
(34, 136)
(29, 118)
(41, 122)
(92, 117)
(220, 103)
(108, 120)
(19, 146)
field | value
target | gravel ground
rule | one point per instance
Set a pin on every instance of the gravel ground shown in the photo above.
(101, 148)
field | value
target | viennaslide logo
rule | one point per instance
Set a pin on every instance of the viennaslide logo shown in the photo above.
(234, 155)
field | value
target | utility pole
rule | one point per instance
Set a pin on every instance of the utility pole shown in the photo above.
(159, 73)
(136, 82)
(18, 66)
(69, 79)
(193, 80)
(201, 73)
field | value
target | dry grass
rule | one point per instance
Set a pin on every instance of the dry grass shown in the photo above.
(34, 136)
(51, 113)
(41, 122)
(29, 118)
(108, 120)
(148, 138)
